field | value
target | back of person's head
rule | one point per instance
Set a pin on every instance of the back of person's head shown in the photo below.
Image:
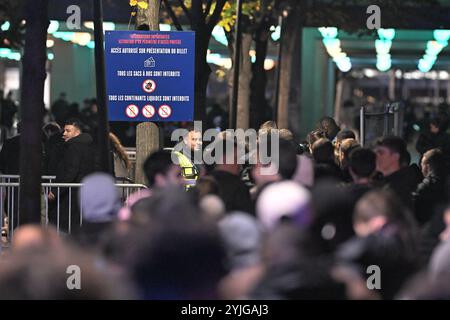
(287, 159)
(158, 162)
(242, 237)
(322, 151)
(395, 145)
(346, 147)
(62, 274)
(439, 264)
(228, 153)
(426, 286)
(168, 206)
(385, 206)
(99, 198)
(205, 186)
(268, 125)
(34, 237)
(212, 207)
(281, 201)
(286, 134)
(51, 128)
(281, 162)
(435, 162)
(378, 203)
(345, 134)
(332, 215)
(441, 122)
(362, 162)
(184, 261)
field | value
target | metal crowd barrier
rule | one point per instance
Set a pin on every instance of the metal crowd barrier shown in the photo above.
(388, 121)
(16, 178)
(66, 195)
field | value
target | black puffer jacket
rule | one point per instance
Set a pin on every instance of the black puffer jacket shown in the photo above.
(79, 159)
(430, 194)
(403, 183)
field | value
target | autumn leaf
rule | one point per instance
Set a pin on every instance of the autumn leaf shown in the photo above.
(143, 4)
(133, 3)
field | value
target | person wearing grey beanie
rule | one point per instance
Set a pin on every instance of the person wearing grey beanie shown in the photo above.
(100, 200)
(100, 204)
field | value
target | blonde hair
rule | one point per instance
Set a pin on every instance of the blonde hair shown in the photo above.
(269, 125)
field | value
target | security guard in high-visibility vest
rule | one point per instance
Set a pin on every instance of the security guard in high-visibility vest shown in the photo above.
(191, 145)
(189, 171)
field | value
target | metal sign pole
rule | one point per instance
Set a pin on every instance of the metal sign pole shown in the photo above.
(237, 56)
(103, 127)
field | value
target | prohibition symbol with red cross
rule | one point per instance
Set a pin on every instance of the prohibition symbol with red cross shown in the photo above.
(132, 111)
(164, 111)
(148, 111)
(149, 85)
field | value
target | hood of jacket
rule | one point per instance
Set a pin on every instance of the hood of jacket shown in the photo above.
(83, 138)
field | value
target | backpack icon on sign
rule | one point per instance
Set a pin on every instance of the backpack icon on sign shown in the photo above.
(149, 86)
(149, 63)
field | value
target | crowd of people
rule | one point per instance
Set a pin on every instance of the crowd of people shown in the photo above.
(314, 228)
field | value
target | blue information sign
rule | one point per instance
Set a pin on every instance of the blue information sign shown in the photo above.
(150, 75)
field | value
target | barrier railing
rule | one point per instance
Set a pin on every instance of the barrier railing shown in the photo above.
(16, 178)
(60, 204)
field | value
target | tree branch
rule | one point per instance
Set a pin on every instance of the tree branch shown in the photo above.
(172, 15)
(186, 11)
(208, 7)
(214, 19)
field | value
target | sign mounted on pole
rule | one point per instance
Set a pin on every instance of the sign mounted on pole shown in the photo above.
(150, 70)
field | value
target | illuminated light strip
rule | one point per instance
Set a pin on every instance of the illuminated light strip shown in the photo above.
(434, 48)
(6, 53)
(5, 26)
(333, 47)
(9, 54)
(107, 26)
(80, 38)
(225, 62)
(383, 47)
(53, 27)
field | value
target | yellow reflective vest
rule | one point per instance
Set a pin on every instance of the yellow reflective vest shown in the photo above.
(188, 170)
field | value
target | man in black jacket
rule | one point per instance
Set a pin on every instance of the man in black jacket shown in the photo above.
(78, 161)
(232, 190)
(10, 153)
(393, 162)
(431, 192)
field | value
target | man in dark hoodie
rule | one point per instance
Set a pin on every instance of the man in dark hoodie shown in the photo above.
(78, 161)
(393, 162)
